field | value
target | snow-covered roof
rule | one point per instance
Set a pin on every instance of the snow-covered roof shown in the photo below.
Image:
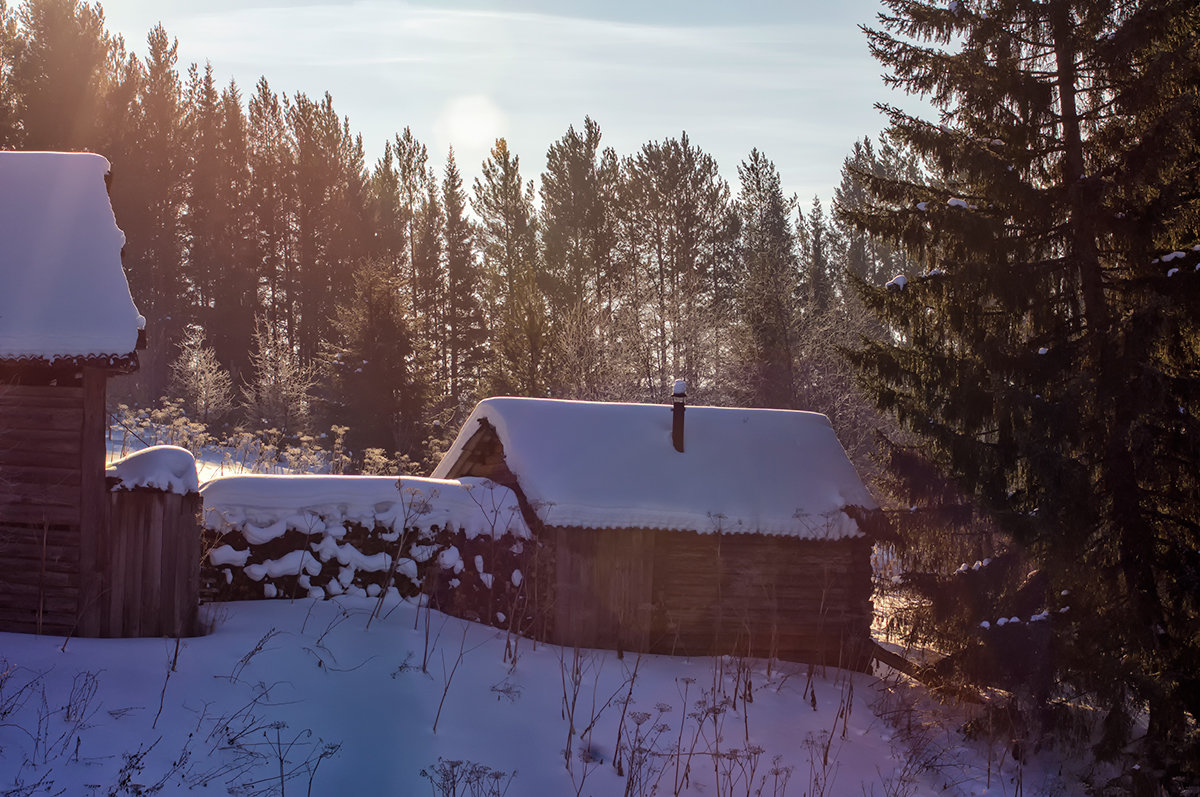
(64, 291)
(602, 465)
(264, 507)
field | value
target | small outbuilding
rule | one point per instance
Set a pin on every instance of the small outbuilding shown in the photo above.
(67, 323)
(686, 531)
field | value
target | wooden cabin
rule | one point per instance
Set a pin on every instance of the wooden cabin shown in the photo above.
(685, 530)
(67, 324)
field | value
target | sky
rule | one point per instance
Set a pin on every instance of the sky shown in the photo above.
(793, 79)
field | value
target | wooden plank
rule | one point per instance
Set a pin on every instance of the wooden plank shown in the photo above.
(26, 605)
(194, 550)
(18, 479)
(55, 441)
(38, 494)
(135, 559)
(21, 621)
(32, 595)
(165, 613)
(29, 564)
(151, 573)
(33, 456)
(93, 501)
(760, 594)
(129, 586)
(40, 417)
(27, 572)
(27, 512)
(56, 544)
(18, 388)
(121, 516)
(177, 568)
(46, 394)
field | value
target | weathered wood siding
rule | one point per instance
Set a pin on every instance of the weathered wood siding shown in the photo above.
(149, 578)
(684, 593)
(41, 431)
(800, 600)
(39, 583)
(93, 504)
(604, 583)
(41, 428)
(64, 567)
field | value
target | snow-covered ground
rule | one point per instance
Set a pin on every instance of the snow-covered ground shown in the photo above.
(304, 697)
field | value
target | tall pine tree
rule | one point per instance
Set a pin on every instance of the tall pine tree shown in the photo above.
(768, 293)
(465, 333)
(58, 73)
(514, 285)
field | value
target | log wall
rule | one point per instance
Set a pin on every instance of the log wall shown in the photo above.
(604, 586)
(40, 497)
(683, 593)
(75, 558)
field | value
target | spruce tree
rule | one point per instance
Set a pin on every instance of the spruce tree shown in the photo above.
(429, 279)
(867, 257)
(235, 295)
(514, 284)
(465, 333)
(58, 73)
(388, 240)
(413, 179)
(820, 271)
(148, 193)
(769, 285)
(202, 122)
(329, 205)
(1047, 359)
(374, 379)
(271, 167)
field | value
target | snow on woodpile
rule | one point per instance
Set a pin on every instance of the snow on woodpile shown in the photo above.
(168, 468)
(65, 292)
(606, 465)
(264, 507)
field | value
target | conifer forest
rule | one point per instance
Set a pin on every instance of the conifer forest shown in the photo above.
(998, 308)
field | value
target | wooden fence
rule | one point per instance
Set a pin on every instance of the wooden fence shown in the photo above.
(151, 579)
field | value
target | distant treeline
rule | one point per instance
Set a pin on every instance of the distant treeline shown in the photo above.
(398, 294)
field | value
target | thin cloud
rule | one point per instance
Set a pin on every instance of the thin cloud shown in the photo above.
(800, 90)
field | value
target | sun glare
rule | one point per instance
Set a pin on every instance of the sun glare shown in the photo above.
(470, 124)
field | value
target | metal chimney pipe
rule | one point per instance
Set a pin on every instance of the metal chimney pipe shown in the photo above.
(678, 402)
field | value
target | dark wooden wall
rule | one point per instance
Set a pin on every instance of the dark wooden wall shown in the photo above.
(793, 599)
(149, 577)
(604, 582)
(41, 462)
(684, 593)
(64, 568)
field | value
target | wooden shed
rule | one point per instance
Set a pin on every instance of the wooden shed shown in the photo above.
(750, 534)
(67, 324)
